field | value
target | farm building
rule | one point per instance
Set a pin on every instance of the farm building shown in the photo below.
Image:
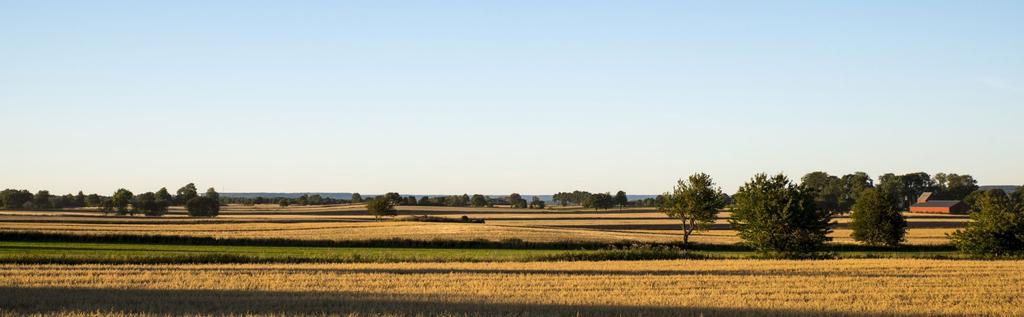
(925, 204)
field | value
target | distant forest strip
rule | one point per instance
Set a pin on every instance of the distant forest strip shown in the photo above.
(412, 243)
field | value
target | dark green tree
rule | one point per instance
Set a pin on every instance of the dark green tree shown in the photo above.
(213, 194)
(93, 200)
(954, 186)
(120, 200)
(357, 198)
(996, 229)
(517, 201)
(395, 198)
(621, 199)
(695, 202)
(42, 200)
(827, 190)
(186, 193)
(479, 201)
(776, 217)
(80, 199)
(852, 185)
(599, 201)
(106, 205)
(148, 204)
(164, 196)
(381, 206)
(409, 201)
(875, 219)
(202, 206)
(536, 203)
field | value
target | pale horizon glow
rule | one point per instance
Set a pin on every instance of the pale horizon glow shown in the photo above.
(536, 97)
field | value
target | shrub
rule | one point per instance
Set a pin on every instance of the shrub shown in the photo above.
(996, 229)
(202, 207)
(875, 219)
(774, 216)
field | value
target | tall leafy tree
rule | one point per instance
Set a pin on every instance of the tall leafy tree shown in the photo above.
(42, 200)
(186, 193)
(599, 201)
(80, 199)
(955, 186)
(695, 202)
(827, 190)
(996, 228)
(148, 204)
(876, 220)
(120, 200)
(621, 199)
(381, 206)
(479, 201)
(774, 216)
(536, 203)
(517, 201)
(916, 184)
(357, 198)
(93, 200)
(164, 195)
(852, 186)
(213, 194)
(395, 198)
(202, 206)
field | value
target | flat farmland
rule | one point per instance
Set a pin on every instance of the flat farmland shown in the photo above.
(351, 222)
(651, 288)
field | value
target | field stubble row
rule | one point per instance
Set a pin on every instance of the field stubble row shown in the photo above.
(650, 288)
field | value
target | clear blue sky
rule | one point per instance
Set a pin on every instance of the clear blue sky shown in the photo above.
(495, 97)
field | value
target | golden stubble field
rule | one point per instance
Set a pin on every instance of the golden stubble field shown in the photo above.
(351, 222)
(650, 288)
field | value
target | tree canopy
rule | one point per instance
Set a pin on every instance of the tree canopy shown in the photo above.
(381, 206)
(996, 229)
(186, 193)
(694, 201)
(202, 206)
(774, 216)
(876, 220)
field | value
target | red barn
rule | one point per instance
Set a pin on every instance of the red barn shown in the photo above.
(927, 205)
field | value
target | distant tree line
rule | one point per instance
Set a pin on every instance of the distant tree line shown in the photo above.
(590, 200)
(121, 202)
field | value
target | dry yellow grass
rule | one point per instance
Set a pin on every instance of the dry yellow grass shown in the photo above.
(350, 222)
(650, 288)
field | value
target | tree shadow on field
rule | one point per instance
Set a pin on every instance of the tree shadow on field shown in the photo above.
(57, 300)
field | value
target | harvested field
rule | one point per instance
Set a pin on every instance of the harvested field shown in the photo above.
(351, 222)
(650, 288)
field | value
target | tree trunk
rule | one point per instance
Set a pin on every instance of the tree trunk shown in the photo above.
(686, 233)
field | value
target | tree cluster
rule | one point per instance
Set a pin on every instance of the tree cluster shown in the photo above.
(589, 200)
(907, 188)
(43, 200)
